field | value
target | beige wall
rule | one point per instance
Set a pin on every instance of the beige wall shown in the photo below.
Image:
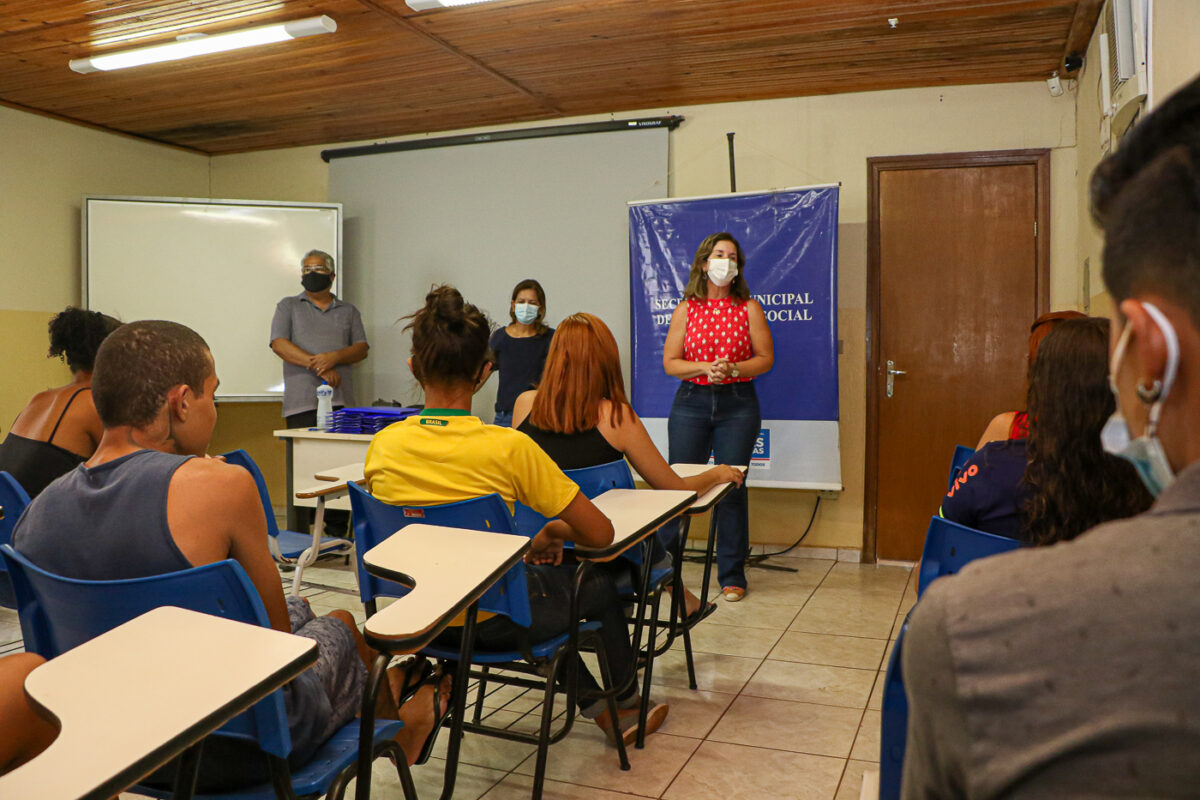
(800, 141)
(47, 168)
(780, 143)
(1175, 59)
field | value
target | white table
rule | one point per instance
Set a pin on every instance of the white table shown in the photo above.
(635, 514)
(449, 569)
(308, 452)
(132, 699)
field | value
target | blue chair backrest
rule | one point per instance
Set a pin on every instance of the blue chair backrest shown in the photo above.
(894, 724)
(592, 481)
(961, 454)
(13, 500)
(243, 460)
(597, 480)
(950, 546)
(375, 521)
(59, 613)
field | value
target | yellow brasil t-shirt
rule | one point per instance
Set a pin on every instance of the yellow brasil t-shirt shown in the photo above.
(432, 459)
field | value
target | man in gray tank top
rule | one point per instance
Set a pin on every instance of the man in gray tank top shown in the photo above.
(1070, 671)
(149, 501)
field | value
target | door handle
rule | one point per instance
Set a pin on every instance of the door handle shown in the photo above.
(892, 372)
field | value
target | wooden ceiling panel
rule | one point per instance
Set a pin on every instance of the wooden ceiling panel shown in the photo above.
(389, 71)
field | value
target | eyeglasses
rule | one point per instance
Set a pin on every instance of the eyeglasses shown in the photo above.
(318, 270)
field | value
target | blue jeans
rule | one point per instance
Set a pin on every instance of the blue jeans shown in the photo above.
(723, 420)
(503, 419)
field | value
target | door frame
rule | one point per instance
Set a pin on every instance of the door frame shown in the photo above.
(1040, 159)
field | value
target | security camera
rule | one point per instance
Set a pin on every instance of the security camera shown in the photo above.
(1073, 62)
(1055, 85)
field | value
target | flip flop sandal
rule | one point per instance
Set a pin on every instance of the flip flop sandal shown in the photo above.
(703, 612)
(439, 716)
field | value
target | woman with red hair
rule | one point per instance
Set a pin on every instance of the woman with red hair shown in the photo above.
(580, 416)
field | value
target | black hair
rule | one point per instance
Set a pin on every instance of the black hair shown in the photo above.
(449, 338)
(76, 334)
(139, 363)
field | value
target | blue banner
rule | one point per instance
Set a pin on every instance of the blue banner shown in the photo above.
(789, 238)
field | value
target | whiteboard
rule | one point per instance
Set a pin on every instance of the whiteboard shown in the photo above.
(217, 266)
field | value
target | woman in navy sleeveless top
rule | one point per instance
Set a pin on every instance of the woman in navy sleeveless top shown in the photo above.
(580, 416)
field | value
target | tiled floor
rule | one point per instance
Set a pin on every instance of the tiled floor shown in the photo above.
(790, 681)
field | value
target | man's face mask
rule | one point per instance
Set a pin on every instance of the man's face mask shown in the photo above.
(525, 312)
(316, 281)
(1145, 452)
(722, 271)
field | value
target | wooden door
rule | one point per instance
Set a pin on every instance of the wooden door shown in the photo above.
(957, 272)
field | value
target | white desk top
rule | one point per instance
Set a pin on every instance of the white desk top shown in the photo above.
(335, 481)
(134, 698)
(448, 568)
(343, 474)
(634, 513)
(710, 498)
(305, 433)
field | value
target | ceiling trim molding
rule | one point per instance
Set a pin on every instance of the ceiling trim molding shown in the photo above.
(103, 129)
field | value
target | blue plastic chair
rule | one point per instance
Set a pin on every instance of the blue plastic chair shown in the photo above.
(375, 521)
(286, 546)
(59, 613)
(13, 499)
(961, 454)
(893, 723)
(950, 546)
(594, 481)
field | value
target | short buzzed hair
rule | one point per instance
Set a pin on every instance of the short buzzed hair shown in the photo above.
(1146, 196)
(139, 363)
(321, 254)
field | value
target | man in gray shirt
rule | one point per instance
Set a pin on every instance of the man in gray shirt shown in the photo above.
(1074, 670)
(318, 337)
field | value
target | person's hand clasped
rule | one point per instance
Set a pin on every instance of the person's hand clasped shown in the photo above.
(719, 370)
(322, 362)
(544, 549)
(331, 377)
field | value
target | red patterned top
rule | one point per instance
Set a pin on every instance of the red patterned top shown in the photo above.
(1020, 425)
(717, 329)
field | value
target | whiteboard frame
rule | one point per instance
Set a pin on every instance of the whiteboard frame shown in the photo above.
(338, 286)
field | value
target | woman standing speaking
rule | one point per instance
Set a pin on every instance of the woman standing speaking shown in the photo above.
(717, 344)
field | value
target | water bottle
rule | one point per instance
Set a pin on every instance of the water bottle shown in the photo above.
(324, 406)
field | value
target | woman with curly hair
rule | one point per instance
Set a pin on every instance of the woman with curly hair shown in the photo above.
(1058, 482)
(59, 428)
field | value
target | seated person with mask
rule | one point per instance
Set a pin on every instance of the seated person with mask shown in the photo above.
(1070, 671)
(149, 502)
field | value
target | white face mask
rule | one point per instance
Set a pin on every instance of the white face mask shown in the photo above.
(525, 312)
(722, 271)
(1146, 451)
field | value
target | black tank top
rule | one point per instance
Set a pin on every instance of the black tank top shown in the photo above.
(573, 450)
(34, 463)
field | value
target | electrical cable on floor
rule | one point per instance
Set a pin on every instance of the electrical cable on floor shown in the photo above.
(697, 555)
(796, 543)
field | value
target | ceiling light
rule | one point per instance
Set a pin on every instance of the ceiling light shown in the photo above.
(425, 5)
(202, 45)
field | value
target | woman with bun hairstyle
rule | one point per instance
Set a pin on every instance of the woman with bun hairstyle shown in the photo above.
(520, 347)
(718, 342)
(446, 455)
(580, 416)
(59, 429)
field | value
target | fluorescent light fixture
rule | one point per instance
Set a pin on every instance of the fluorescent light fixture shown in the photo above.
(425, 5)
(202, 45)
